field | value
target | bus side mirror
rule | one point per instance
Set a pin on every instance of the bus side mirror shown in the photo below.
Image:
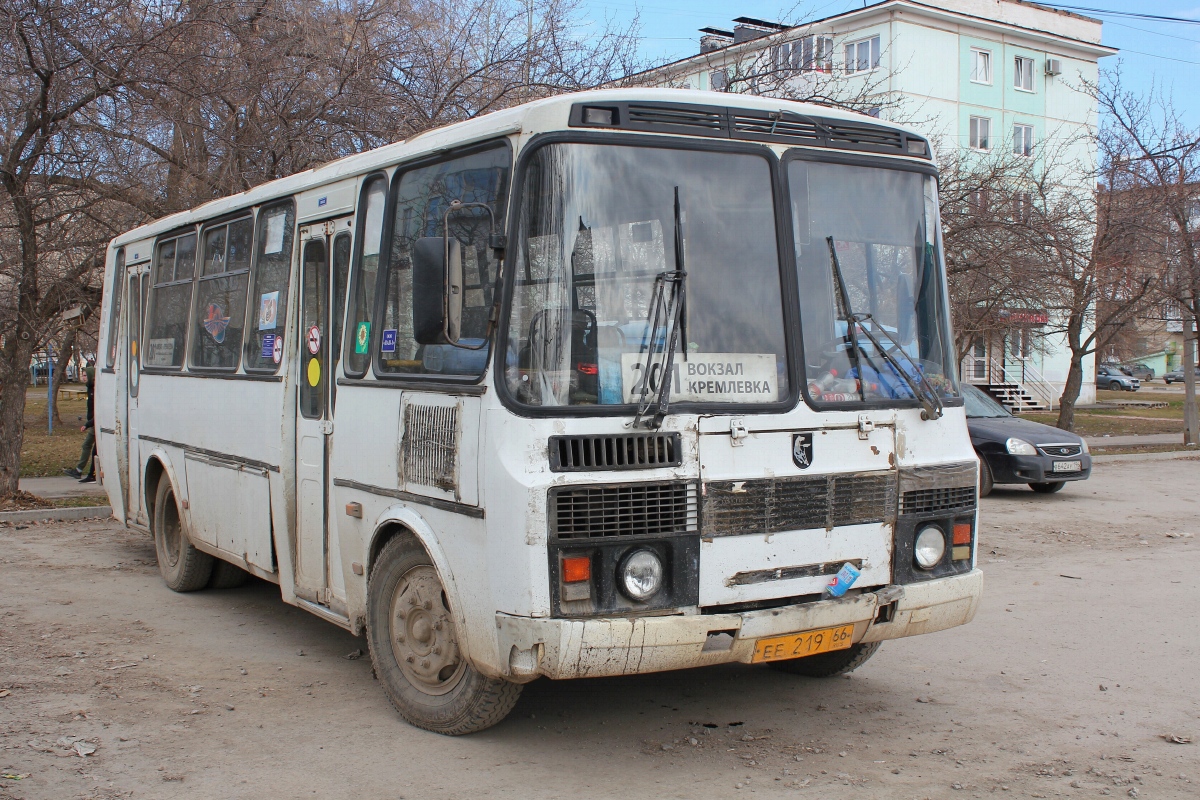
(437, 290)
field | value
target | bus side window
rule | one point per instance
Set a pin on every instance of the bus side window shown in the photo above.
(170, 302)
(114, 308)
(268, 301)
(362, 303)
(423, 197)
(221, 295)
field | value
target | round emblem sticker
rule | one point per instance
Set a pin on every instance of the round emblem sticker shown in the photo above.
(314, 371)
(314, 340)
(278, 352)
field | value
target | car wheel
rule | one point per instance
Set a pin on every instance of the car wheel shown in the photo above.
(986, 483)
(1048, 488)
(414, 648)
(1114, 386)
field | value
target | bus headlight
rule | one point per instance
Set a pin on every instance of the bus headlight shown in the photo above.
(930, 547)
(640, 575)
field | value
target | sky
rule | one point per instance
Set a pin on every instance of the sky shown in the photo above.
(1154, 54)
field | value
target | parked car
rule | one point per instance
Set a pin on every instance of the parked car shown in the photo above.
(1176, 375)
(1111, 377)
(1015, 450)
(1139, 371)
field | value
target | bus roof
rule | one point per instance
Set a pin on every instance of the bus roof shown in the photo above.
(537, 116)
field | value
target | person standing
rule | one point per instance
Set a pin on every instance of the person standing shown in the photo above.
(87, 454)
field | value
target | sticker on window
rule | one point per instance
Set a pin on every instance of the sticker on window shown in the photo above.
(268, 347)
(278, 356)
(274, 243)
(160, 353)
(268, 311)
(362, 337)
(706, 377)
(215, 322)
(389, 341)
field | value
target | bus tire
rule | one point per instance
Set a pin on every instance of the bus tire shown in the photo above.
(183, 567)
(414, 648)
(227, 576)
(826, 665)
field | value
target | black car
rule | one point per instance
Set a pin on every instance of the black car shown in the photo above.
(1015, 450)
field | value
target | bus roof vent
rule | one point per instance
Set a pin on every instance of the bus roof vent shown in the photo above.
(618, 451)
(677, 119)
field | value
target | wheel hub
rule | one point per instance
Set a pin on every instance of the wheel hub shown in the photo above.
(422, 633)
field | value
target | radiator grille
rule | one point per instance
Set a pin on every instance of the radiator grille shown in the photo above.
(928, 501)
(1060, 449)
(633, 509)
(614, 452)
(771, 505)
(427, 449)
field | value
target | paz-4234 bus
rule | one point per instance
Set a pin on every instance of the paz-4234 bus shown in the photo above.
(608, 383)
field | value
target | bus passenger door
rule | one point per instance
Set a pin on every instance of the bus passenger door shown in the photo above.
(129, 455)
(325, 258)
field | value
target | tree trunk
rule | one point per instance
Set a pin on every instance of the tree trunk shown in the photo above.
(12, 412)
(1066, 407)
(67, 350)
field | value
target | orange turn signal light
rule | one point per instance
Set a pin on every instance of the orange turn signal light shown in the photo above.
(962, 533)
(576, 569)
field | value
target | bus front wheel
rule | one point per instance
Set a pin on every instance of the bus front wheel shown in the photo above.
(414, 648)
(826, 665)
(183, 567)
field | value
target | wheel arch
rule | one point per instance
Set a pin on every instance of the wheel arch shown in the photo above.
(404, 522)
(158, 466)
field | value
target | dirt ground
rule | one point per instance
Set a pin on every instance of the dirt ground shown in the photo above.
(1082, 659)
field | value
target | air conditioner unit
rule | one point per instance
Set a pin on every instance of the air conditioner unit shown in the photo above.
(1053, 66)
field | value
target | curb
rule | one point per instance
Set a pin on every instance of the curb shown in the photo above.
(57, 514)
(1171, 454)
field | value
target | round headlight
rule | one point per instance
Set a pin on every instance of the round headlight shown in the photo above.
(1020, 447)
(640, 575)
(931, 546)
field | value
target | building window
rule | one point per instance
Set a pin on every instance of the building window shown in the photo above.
(1023, 74)
(1022, 207)
(978, 200)
(862, 56)
(718, 80)
(1023, 140)
(814, 54)
(981, 66)
(981, 133)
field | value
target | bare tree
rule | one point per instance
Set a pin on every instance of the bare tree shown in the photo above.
(1157, 162)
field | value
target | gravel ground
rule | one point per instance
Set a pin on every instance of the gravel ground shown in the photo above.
(1071, 682)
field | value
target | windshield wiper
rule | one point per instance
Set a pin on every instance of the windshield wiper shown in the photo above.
(931, 404)
(666, 310)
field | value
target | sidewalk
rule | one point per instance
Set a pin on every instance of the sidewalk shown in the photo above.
(1135, 440)
(56, 487)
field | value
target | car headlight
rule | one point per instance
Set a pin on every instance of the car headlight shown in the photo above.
(930, 547)
(1083, 446)
(1020, 447)
(640, 575)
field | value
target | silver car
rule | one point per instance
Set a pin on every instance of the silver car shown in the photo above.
(1112, 378)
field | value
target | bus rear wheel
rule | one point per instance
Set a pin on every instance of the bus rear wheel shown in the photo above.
(826, 665)
(183, 567)
(414, 648)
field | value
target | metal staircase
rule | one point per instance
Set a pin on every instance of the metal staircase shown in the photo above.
(1019, 387)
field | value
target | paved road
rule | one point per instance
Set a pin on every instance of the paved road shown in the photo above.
(1083, 654)
(61, 487)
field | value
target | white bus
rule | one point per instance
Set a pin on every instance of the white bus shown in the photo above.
(608, 383)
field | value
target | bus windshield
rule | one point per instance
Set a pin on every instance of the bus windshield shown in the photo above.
(867, 250)
(597, 229)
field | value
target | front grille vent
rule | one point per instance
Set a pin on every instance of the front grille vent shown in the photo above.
(1060, 449)
(772, 505)
(614, 452)
(929, 501)
(630, 509)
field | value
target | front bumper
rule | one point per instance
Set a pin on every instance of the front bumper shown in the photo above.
(577, 648)
(1035, 469)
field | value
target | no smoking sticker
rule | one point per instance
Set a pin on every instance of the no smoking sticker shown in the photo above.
(314, 340)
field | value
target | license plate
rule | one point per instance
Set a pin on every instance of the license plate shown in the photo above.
(1068, 466)
(798, 645)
